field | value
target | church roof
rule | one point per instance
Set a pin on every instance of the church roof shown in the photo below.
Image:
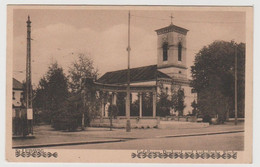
(140, 74)
(171, 28)
(17, 84)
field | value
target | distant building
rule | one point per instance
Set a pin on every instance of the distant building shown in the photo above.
(18, 108)
(169, 73)
(17, 94)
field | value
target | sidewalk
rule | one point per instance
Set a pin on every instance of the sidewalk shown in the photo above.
(46, 136)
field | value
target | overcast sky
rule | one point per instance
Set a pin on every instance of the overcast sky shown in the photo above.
(59, 35)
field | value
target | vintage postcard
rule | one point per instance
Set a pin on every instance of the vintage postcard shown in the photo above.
(129, 84)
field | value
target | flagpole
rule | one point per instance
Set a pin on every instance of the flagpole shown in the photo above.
(236, 85)
(128, 125)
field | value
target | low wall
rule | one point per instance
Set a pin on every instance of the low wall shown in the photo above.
(181, 125)
(120, 122)
(181, 119)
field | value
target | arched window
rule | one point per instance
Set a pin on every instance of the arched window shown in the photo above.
(179, 52)
(165, 51)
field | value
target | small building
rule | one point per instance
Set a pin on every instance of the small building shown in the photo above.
(18, 95)
(18, 109)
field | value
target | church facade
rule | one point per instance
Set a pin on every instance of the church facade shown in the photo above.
(169, 74)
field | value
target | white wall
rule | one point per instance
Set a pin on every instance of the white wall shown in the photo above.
(189, 98)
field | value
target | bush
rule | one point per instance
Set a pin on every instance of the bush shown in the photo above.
(207, 118)
(67, 118)
(65, 121)
(163, 111)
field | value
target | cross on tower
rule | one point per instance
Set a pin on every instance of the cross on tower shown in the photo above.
(171, 18)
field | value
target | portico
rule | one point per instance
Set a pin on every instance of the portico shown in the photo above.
(109, 92)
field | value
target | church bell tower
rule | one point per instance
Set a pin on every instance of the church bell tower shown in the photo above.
(171, 51)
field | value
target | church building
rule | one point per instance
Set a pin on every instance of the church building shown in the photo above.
(170, 72)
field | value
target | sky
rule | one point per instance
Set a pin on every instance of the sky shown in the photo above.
(61, 34)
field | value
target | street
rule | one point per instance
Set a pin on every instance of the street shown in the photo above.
(230, 141)
(215, 137)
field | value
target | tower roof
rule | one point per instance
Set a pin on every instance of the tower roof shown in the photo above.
(172, 28)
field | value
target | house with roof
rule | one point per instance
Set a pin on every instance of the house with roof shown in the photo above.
(17, 99)
(18, 108)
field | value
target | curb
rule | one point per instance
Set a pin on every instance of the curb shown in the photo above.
(68, 143)
(201, 134)
(23, 137)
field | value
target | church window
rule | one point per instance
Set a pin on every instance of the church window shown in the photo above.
(21, 98)
(179, 52)
(165, 51)
(167, 90)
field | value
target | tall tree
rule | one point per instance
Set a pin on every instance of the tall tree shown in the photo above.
(194, 106)
(57, 85)
(82, 67)
(213, 78)
(177, 100)
(91, 102)
(163, 102)
(52, 91)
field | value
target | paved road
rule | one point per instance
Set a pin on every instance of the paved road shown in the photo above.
(45, 134)
(232, 141)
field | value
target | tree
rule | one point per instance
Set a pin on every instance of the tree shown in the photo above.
(163, 103)
(52, 92)
(57, 87)
(134, 104)
(147, 103)
(177, 101)
(82, 67)
(213, 78)
(91, 101)
(194, 106)
(121, 103)
(67, 117)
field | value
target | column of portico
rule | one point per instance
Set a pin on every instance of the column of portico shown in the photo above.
(154, 104)
(102, 105)
(140, 105)
(114, 98)
(107, 101)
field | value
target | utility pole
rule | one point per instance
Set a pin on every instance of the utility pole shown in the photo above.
(235, 84)
(128, 124)
(29, 80)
